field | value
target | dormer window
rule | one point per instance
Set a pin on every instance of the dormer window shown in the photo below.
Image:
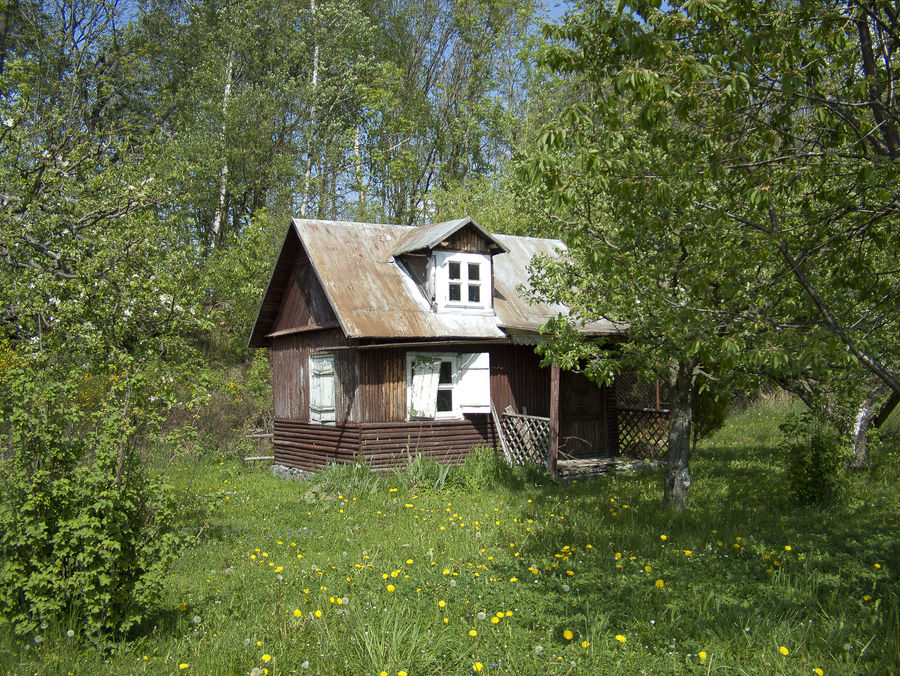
(462, 281)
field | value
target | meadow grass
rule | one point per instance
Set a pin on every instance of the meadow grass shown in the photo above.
(486, 568)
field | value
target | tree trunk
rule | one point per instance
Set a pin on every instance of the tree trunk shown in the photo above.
(218, 218)
(870, 417)
(681, 393)
(314, 81)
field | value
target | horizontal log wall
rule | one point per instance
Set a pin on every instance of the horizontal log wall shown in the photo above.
(382, 446)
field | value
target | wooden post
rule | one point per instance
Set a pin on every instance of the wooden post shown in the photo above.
(554, 420)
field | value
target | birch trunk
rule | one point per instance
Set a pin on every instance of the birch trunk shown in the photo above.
(223, 172)
(678, 477)
(314, 81)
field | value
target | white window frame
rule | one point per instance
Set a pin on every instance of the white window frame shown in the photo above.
(442, 281)
(322, 389)
(469, 385)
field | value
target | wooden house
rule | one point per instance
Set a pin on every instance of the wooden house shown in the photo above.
(387, 341)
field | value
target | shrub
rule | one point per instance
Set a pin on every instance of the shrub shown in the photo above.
(84, 528)
(816, 459)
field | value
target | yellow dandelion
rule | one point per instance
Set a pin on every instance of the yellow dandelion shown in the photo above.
(495, 620)
(618, 555)
(783, 650)
(401, 673)
(478, 666)
(660, 584)
(183, 665)
(647, 569)
(390, 587)
(182, 606)
(818, 672)
(585, 644)
(442, 604)
(383, 673)
(266, 657)
(701, 655)
(318, 613)
(568, 635)
(620, 638)
(663, 537)
(297, 613)
(472, 632)
(787, 548)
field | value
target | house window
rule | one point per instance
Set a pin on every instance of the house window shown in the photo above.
(462, 281)
(321, 389)
(447, 385)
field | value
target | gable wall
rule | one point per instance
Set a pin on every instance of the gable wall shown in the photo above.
(304, 303)
(467, 239)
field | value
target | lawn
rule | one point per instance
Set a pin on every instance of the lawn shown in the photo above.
(485, 569)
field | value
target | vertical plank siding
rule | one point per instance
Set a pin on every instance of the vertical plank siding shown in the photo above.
(289, 359)
(468, 239)
(584, 414)
(305, 303)
(518, 380)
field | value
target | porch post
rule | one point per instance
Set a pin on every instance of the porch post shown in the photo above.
(554, 420)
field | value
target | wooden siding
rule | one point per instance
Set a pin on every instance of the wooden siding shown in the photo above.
(518, 380)
(310, 446)
(466, 239)
(289, 359)
(381, 395)
(381, 446)
(583, 417)
(386, 445)
(304, 304)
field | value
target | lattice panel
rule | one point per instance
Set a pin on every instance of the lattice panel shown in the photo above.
(632, 393)
(527, 439)
(643, 433)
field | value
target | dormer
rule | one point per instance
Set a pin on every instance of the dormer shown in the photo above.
(452, 265)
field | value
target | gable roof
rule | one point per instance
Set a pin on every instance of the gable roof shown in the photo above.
(430, 236)
(373, 297)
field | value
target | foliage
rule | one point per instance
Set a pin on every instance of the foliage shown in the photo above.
(711, 403)
(84, 528)
(816, 460)
(726, 187)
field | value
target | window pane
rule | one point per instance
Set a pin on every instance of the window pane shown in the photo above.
(446, 374)
(445, 400)
(474, 293)
(474, 271)
(454, 270)
(454, 292)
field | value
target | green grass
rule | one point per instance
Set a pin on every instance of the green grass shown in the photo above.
(486, 540)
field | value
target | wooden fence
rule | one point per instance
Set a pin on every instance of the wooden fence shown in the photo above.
(526, 439)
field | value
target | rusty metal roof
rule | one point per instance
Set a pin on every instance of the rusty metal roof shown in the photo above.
(374, 297)
(430, 236)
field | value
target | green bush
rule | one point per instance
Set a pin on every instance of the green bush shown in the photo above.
(816, 460)
(85, 530)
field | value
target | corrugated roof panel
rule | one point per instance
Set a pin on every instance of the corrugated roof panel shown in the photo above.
(374, 298)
